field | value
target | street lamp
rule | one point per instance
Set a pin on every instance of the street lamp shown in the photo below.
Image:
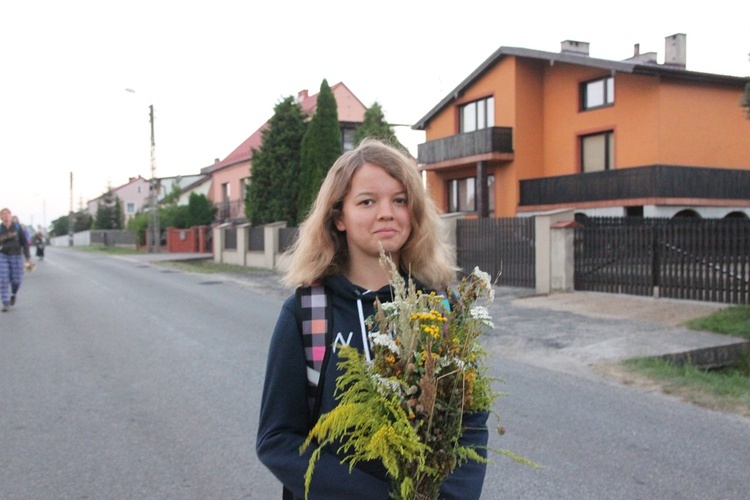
(154, 233)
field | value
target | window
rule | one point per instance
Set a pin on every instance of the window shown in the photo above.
(597, 152)
(225, 192)
(598, 93)
(462, 194)
(130, 208)
(347, 138)
(477, 115)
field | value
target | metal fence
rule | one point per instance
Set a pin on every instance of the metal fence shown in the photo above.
(504, 248)
(694, 259)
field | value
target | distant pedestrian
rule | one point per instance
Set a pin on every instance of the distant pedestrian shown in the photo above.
(14, 246)
(38, 240)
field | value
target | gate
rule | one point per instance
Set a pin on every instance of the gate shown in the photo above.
(694, 259)
(504, 248)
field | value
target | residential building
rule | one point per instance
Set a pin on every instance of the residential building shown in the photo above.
(186, 184)
(531, 131)
(231, 175)
(133, 197)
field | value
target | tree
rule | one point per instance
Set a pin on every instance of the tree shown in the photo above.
(109, 214)
(174, 194)
(274, 174)
(375, 126)
(81, 222)
(321, 146)
(201, 211)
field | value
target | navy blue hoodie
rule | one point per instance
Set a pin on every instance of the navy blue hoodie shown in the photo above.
(284, 418)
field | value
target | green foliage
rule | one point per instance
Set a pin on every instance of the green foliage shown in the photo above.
(725, 389)
(274, 174)
(109, 213)
(375, 126)
(734, 320)
(81, 222)
(369, 425)
(139, 225)
(321, 146)
(174, 194)
(201, 211)
(174, 216)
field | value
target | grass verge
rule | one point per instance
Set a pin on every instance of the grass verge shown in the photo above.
(208, 266)
(108, 250)
(725, 389)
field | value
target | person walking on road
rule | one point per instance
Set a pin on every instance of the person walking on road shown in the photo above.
(14, 246)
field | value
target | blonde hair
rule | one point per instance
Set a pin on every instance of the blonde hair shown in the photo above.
(321, 250)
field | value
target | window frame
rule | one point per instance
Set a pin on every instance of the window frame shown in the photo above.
(453, 204)
(483, 114)
(608, 93)
(608, 153)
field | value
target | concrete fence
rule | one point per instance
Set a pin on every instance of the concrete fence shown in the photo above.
(262, 247)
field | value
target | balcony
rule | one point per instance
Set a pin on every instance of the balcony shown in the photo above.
(483, 142)
(654, 181)
(230, 211)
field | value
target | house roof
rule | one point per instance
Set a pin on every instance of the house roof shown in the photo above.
(634, 67)
(115, 189)
(350, 109)
(184, 183)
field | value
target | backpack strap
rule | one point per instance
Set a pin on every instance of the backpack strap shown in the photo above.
(315, 319)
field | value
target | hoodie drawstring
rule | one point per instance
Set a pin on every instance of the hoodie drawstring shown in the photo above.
(365, 340)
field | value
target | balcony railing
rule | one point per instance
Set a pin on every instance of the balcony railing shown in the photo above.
(230, 211)
(480, 142)
(654, 181)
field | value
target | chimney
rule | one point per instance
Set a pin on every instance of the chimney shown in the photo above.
(302, 95)
(574, 47)
(675, 50)
(646, 57)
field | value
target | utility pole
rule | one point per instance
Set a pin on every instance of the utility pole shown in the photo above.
(153, 216)
(70, 214)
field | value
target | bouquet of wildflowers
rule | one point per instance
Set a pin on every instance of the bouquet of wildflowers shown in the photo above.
(405, 407)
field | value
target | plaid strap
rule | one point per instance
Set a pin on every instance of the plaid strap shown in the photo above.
(313, 317)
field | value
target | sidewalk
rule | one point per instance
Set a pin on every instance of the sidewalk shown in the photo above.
(576, 330)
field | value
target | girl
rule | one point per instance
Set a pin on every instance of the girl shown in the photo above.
(372, 196)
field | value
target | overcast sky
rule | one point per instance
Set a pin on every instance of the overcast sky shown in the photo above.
(214, 71)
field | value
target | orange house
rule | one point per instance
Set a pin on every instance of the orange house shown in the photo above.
(230, 176)
(531, 131)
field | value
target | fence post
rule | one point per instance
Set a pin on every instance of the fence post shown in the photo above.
(271, 242)
(543, 257)
(562, 255)
(243, 240)
(219, 241)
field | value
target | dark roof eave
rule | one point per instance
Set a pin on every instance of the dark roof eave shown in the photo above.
(579, 59)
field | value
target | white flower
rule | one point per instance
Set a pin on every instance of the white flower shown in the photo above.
(480, 313)
(385, 340)
(486, 281)
(386, 387)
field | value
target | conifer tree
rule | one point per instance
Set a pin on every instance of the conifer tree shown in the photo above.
(321, 147)
(201, 211)
(274, 173)
(109, 214)
(375, 126)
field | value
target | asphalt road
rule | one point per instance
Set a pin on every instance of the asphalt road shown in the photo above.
(126, 379)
